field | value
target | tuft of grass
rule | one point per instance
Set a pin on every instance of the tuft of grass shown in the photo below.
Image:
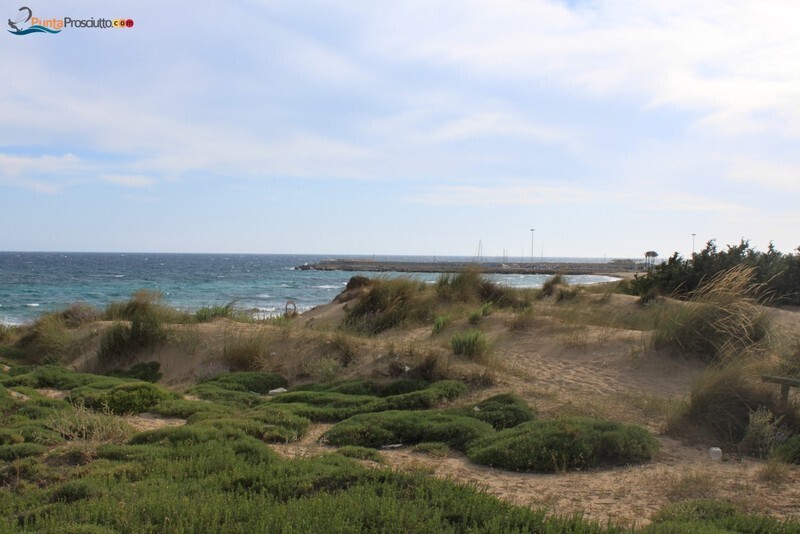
(207, 313)
(472, 344)
(564, 444)
(79, 314)
(471, 286)
(722, 400)
(440, 322)
(83, 424)
(145, 328)
(324, 368)
(474, 317)
(48, 341)
(550, 286)
(390, 302)
(244, 351)
(721, 321)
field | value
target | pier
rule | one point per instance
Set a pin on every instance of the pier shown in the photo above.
(611, 268)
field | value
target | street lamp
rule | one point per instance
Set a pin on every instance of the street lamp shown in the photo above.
(693, 243)
(532, 230)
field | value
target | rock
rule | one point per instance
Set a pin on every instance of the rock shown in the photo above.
(277, 391)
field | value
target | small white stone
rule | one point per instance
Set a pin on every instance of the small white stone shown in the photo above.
(277, 391)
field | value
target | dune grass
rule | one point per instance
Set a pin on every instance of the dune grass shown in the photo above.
(721, 321)
(472, 344)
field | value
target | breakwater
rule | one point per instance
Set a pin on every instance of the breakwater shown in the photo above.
(364, 265)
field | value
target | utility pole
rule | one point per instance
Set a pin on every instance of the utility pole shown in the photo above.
(532, 230)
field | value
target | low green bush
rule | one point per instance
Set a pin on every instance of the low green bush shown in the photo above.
(329, 406)
(132, 397)
(386, 428)
(501, 411)
(76, 490)
(564, 444)
(260, 383)
(221, 394)
(712, 516)
(9, 453)
(474, 317)
(183, 409)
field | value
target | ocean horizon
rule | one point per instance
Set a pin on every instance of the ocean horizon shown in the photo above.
(35, 283)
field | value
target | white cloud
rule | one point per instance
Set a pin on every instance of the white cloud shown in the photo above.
(777, 176)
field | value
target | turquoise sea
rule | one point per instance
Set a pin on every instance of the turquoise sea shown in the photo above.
(33, 283)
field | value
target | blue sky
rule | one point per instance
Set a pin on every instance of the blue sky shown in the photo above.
(407, 127)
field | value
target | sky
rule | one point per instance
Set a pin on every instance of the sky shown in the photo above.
(407, 127)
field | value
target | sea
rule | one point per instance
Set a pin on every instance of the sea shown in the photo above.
(35, 283)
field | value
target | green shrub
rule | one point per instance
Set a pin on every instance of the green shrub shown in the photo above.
(471, 343)
(331, 406)
(220, 393)
(789, 451)
(281, 426)
(132, 397)
(386, 428)
(260, 383)
(184, 409)
(10, 437)
(76, 490)
(9, 453)
(764, 433)
(712, 516)
(389, 303)
(501, 411)
(563, 444)
(470, 285)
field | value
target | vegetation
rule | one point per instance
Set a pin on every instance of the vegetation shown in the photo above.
(390, 303)
(722, 401)
(471, 343)
(779, 273)
(501, 411)
(721, 321)
(563, 444)
(712, 516)
(377, 430)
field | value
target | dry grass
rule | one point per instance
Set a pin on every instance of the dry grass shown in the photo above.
(722, 320)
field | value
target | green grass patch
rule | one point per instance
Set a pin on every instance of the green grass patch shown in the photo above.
(440, 322)
(564, 444)
(472, 344)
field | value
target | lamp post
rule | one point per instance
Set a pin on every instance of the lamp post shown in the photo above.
(532, 230)
(693, 243)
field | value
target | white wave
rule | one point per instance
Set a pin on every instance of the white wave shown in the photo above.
(329, 286)
(33, 305)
